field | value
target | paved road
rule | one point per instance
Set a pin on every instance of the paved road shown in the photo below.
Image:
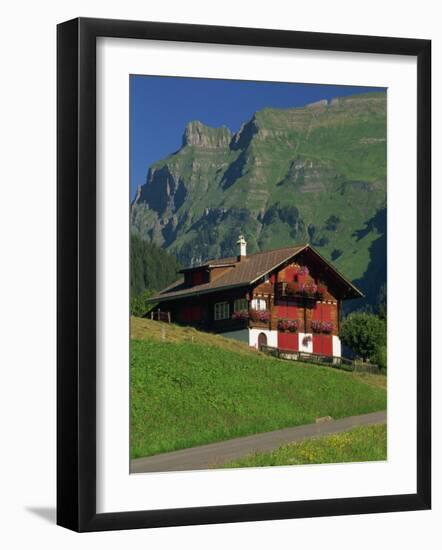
(208, 456)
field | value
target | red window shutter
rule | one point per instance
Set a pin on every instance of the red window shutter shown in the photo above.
(323, 312)
(292, 312)
(323, 344)
(281, 310)
(317, 312)
(288, 341)
(327, 312)
(317, 343)
(327, 344)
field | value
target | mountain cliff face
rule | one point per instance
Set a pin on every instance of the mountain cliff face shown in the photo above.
(314, 174)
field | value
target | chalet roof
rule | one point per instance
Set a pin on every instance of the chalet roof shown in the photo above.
(243, 273)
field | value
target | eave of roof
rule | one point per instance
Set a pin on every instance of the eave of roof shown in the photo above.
(193, 291)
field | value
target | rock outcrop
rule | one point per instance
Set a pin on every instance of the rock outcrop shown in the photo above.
(200, 135)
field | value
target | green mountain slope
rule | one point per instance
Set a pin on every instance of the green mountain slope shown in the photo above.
(314, 174)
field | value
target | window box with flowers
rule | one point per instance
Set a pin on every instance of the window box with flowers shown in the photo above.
(325, 327)
(259, 315)
(309, 290)
(288, 325)
(306, 290)
(241, 315)
(255, 315)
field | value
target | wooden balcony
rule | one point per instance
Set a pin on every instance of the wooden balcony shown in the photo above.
(283, 292)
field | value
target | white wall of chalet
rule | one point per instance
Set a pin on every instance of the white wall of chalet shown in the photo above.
(336, 346)
(272, 337)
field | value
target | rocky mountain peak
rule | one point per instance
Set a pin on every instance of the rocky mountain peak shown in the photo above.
(242, 138)
(206, 137)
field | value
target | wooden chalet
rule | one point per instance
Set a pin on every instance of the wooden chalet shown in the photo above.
(288, 298)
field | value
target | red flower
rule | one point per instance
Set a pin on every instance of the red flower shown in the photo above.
(327, 326)
(259, 315)
(290, 325)
(240, 315)
(316, 326)
(308, 289)
(322, 326)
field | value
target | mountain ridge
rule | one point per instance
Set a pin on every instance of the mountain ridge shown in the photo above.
(315, 173)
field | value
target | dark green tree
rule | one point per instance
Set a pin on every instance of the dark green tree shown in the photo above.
(364, 333)
(380, 356)
(151, 267)
(139, 303)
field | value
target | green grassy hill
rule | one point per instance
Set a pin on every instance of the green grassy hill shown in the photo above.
(313, 174)
(190, 388)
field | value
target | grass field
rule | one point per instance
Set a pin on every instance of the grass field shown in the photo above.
(190, 388)
(356, 445)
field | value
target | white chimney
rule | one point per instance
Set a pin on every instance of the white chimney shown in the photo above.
(242, 247)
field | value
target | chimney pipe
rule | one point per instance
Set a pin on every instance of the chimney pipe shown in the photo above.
(242, 247)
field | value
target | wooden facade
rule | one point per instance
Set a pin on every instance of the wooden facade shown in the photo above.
(296, 304)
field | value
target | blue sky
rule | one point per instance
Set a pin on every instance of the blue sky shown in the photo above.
(160, 108)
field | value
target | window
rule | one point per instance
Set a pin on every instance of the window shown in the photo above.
(259, 304)
(222, 311)
(240, 305)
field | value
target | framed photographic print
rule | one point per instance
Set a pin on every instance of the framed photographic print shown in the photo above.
(243, 274)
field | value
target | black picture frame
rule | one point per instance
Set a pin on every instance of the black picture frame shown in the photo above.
(76, 274)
